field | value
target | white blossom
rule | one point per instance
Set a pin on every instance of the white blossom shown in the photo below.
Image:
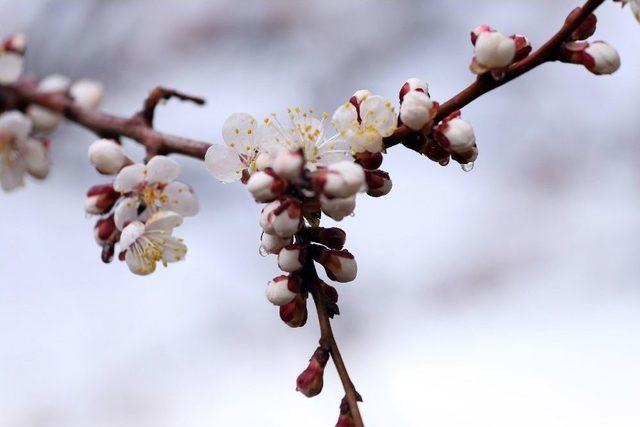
(364, 126)
(107, 156)
(20, 154)
(87, 93)
(151, 188)
(145, 244)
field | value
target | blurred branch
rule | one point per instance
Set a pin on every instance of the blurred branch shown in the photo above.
(485, 83)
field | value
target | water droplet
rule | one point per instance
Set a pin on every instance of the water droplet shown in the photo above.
(262, 251)
(467, 167)
(352, 214)
(444, 162)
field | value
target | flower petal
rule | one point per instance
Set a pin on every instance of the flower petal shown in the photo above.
(130, 234)
(238, 132)
(223, 163)
(11, 65)
(17, 124)
(334, 150)
(130, 177)
(164, 221)
(11, 173)
(345, 118)
(126, 211)
(161, 169)
(378, 113)
(138, 264)
(36, 157)
(180, 199)
(174, 250)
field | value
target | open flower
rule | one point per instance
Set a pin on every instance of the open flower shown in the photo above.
(306, 133)
(244, 152)
(20, 154)
(364, 120)
(151, 188)
(146, 244)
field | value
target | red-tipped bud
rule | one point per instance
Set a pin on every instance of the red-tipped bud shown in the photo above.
(100, 199)
(282, 218)
(310, 381)
(103, 229)
(340, 266)
(16, 43)
(266, 186)
(586, 29)
(291, 258)
(369, 161)
(413, 84)
(598, 57)
(283, 289)
(479, 30)
(288, 164)
(523, 47)
(457, 137)
(379, 183)
(294, 314)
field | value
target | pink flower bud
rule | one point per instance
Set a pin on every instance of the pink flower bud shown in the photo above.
(369, 160)
(523, 47)
(272, 244)
(87, 93)
(379, 183)
(479, 30)
(586, 29)
(413, 84)
(417, 110)
(310, 381)
(107, 156)
(340, 266)
(493, 52)
(282, 218)
(338, 208)
(283, 289)
(291, 258)
(100, 199)
(455, 135)
(265, 186)
(598, 57)
(341, 179)
(16, 43)
(288, 164)
(103, 229)
(294, 314)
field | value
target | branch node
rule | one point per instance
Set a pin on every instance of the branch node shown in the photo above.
(160, 95)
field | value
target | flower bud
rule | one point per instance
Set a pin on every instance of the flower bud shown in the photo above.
(455, 135)
(479, 30)
(523, 47)
(379, 183)
(310, 381)
(435, 152)
(87, 93)
(272, 244)
(358, 97)
(43, 119)
(413, 84)
(291, 258)
(283, 289)
(294, 314)
(598, 57)
(586, 29)
(288, 164)
(282, 217)
(337, 207)
(265, 186)
(417, 110)
(340, 266)
(493, 52)
(103, 229)
(341, 179)
(100, 199)
(333, 237)
(16, 43)
(369, 160)
(263, 161)
(107, 156)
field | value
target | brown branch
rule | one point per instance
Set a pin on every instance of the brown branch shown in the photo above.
(485, 83)
(160, 94)
(107, 125)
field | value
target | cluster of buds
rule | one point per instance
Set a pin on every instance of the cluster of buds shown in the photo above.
(494, 52)
(598, 57)
(139, 209)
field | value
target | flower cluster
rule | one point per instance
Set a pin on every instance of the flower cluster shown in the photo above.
(139, 209)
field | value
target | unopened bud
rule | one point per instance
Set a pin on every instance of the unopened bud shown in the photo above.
(413, 84)
(282, 217)
(586, 29)
(368, 160)
(263, 161)
(379, 183)
(291, 258)
(100, 199)
(265, 186)
(283, 289)
(294, 314)
(272, 244)
(103, 229)
(479, 30)
(417, 110)
(598, 57)
(340, 266)
(338, 208)
(523, 47)
(87, 93)
(333, 237)
(493, 52)
(43, 119)
(341, 179)
(107, 156)
(310, 381)
(16, 43)
(455, 135)
(288, 164)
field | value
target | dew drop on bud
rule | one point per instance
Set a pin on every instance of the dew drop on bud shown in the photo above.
(467, 167)
(352, 214)
(262, 251)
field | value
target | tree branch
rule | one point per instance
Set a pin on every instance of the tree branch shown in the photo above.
(485, 83)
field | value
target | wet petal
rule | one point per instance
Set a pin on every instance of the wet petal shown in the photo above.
(238, 132)
(180, 198)
(126, 211)
(378, 113)
(164, 221)
(345, 118)
(130, 177)
(161, 169)
(223, 163)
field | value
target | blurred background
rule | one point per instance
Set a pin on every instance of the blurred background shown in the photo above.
(506, 296)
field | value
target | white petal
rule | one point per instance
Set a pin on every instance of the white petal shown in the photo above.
(268, 140)
(238, 132)
(17, 124)
(174, 250)
(130, 177)
(11, 173)
(334, 150)
(164, 221)
(345, 118)
(36, 158)
(126, 211)
(130, 234)
(54, 83)
(223, 163)
(180, 199)
(11, 65)
(139, 265)
(162, 169)
(378, 113)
